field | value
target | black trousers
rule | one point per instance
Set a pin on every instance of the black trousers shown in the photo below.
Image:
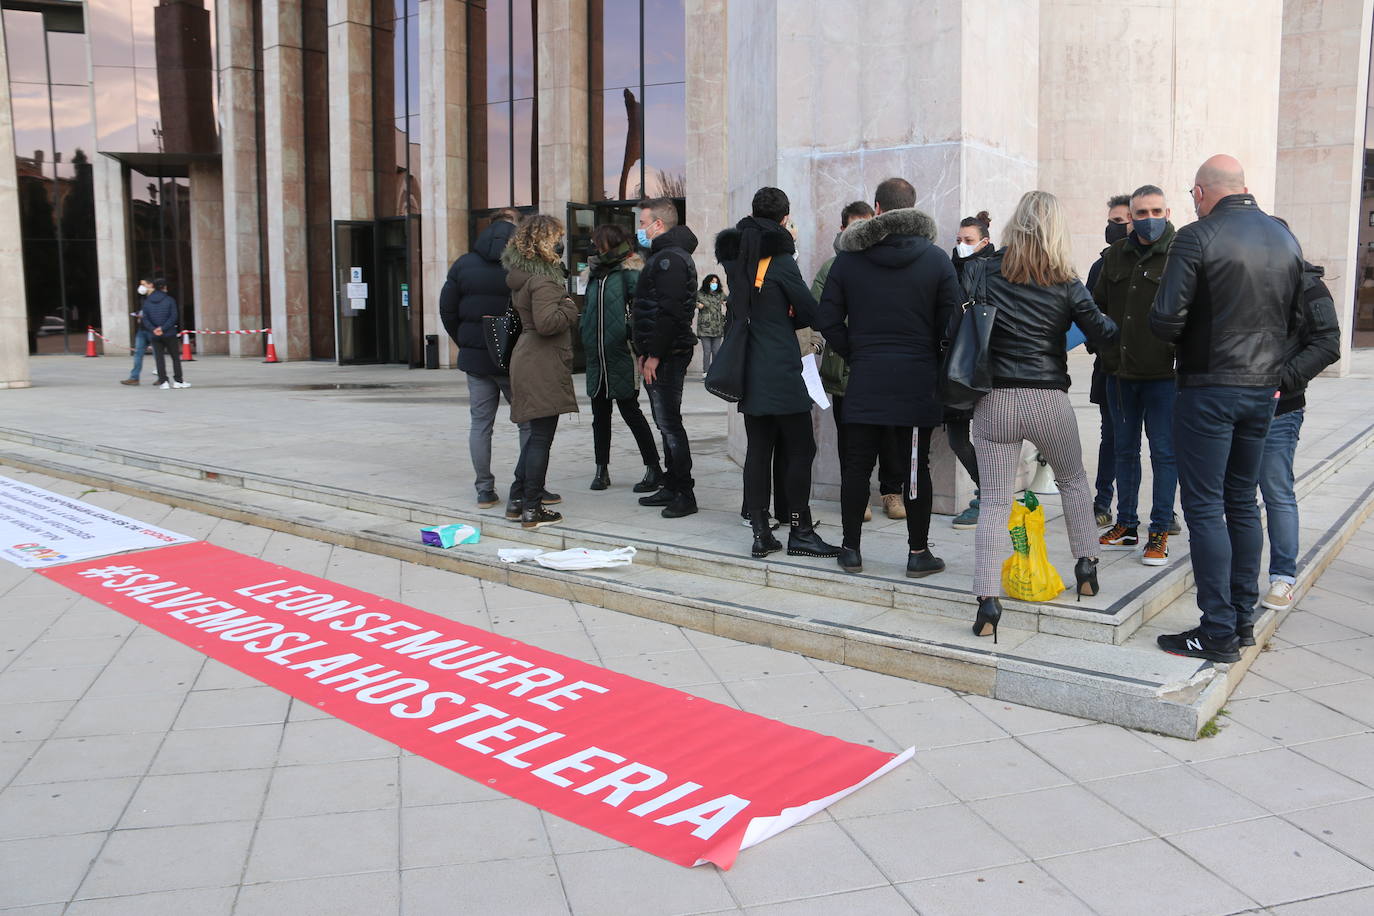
(533, 467)
(785, 440)
(956, 431)
(894, 456)
(165, 345)
(863, 443)
(634, 419)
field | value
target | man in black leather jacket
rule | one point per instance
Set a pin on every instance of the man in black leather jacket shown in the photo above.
(1228, 299)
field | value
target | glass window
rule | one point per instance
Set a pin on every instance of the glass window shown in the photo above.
(67, 58)
(523, 165)
(144, 34)
(32, 125)
(72, 127)
(665, 50)
(149, 110)
(111, 24)
(619, 41)
(24, 47)
(522, 50)
(502, 125)
(1362, 330)
(497, 19)
(116, 108)
(498, 155)
(665, 140)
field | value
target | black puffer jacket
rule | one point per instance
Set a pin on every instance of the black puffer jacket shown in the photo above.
(1315, 344)
(666, 297)
(1229, 296)
(890, 299)
(1026, 349)
(476, 286)
(160, 311)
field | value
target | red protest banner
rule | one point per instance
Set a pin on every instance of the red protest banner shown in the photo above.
(681, 777)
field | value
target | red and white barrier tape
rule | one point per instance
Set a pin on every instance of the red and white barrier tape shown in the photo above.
(108, 341)
(246, 331)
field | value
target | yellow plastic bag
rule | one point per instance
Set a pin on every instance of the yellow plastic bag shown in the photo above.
(1027, 573)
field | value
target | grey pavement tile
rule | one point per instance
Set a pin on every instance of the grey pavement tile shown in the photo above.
(1346, 611)
(302, 711)
(38, 685)
(1354, 653)
(615, 642)
(738, 662)
(1272, 861)
(1097, 751)
(571, 643)
(1297, 668)
(239, 706)
(89, 620)
(106, 756)
(326, 788)
(565, 836)
(1348, 582)
(1352, 700)
(197, 798)
(679, 668)
(1231, 740)
(471, 832)
(32, 721)
(1351, 756)
(847, 724)
(1025, 890)
(219, 676)
(1304, 627)
(328, 844)
(1174, 800)
(516, 887)
(349, 895)
(869, 688)
(907, 788)
(1254, 685)
(424, 782)
(45, 869)
(296, 552)
(120, 715)
(459, 605)
(808, 860)
(238, 536)
(990, 768)
(941, 722)
(168, 859)
(504, 597)
(13, 756)
(1282, 780)
(151, 677)
(1360, 901)
(873, 901)
(329, 740)
(912, 845)
(1017, 720)
(1125, 881)
(793, 694)
(710, 640)
(68, 653)
(203, 901)
(1036, 821)
(72, 807)
(520, 622)
(1348, 827)
(239, 747)
(716, 693)
(1291, 718)
(628, 882)
(150, 647)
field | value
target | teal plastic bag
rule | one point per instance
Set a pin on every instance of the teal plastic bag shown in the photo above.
(450, 535)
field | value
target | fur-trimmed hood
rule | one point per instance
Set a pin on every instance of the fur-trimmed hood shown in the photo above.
(599, 265)
(520, 268)
(773, 240)
(864, 234)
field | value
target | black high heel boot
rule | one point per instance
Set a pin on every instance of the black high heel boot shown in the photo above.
(602, 480)
(652, 481)
(764, 542)
(989, 615)
(1085, 571)
(802, 540)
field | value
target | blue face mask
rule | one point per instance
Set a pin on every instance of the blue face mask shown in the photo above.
(643, 238)
(1149, 230)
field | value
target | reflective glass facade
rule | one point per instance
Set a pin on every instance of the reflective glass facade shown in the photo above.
(160, 236)
(1362, 329)
(502, 107)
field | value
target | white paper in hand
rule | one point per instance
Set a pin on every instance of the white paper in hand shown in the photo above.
(811, 374)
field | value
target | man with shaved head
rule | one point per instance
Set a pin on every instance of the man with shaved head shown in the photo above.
(1227, 299)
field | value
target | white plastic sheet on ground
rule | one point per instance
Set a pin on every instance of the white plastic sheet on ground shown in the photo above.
(574, 558)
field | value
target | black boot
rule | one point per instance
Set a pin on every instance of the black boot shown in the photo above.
(602, 480)
(989, 614)
(802, 540)
(653, 479)
(683, 504)
(850, 560)
(1085, 571)
(661, 498)
(538, 517)
(764, 542)
(922, 564)
(513, 507)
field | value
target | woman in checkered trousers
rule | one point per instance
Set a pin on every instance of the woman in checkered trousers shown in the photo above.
(1032, 283)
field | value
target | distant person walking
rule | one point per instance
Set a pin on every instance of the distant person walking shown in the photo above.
(161, 318)
(710, 319)
(143, 338)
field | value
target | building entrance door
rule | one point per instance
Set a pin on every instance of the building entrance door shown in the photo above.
(371, 293)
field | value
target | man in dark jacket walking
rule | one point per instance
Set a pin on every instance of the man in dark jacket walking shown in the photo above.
(162, 319)
(1228, 299)
(476, 286)
(664, 305)
(890, 299)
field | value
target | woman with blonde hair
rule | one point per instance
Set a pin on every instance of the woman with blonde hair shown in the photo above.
(1037, 294)
(541, 362)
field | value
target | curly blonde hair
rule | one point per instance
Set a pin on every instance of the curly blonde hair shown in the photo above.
(1038, 251)
(535, 236)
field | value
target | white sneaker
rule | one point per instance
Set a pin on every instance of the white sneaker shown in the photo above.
(1279, 597)
(165, 386)
(181, 384)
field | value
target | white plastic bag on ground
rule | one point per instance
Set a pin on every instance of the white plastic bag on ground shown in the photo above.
(574, 558)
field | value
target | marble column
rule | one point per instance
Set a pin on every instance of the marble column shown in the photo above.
(14, 319)
(351, 187)
(444, 155)
(284, 188)
(243, 284)
(561, 45)
(112, 256)
(708, 48)
(207, 256)
(1323, 95)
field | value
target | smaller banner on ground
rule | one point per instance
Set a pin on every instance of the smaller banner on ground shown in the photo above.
(41, 528)
(681, 777)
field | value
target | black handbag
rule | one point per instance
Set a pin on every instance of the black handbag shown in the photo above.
(965, 377)
(501, 332)
(725, 378)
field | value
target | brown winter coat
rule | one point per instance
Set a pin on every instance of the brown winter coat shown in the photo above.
(541, 363)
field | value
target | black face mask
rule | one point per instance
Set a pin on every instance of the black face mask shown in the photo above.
(558, 248)
(1116, 232)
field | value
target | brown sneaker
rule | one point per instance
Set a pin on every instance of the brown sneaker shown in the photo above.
(1156, 551)
(893, 505)
(128, 381)
(1119, 537)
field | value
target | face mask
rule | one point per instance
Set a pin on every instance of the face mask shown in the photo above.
(558, 248)
(965, 251)
(1149, 230)
(715, 287)
(1115, 232)
(642, 236)
(143, 290)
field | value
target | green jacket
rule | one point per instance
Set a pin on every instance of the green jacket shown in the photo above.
(710, 314)
(610, 289)
(834, 370)
(1125, 291)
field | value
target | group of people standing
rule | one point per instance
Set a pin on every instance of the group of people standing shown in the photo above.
(1199, 332)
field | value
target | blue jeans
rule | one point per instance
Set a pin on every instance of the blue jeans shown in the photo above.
(665, 401)
(1280, 504)
(484, 397)
(1150, 405)
(142, 341)
(1220, 434)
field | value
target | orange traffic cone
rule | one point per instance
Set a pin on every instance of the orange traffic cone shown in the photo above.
(186, 355)
(90, 341)
(271, 349)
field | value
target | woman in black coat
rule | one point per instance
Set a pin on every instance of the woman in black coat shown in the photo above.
(972, 243)
(776, 405)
